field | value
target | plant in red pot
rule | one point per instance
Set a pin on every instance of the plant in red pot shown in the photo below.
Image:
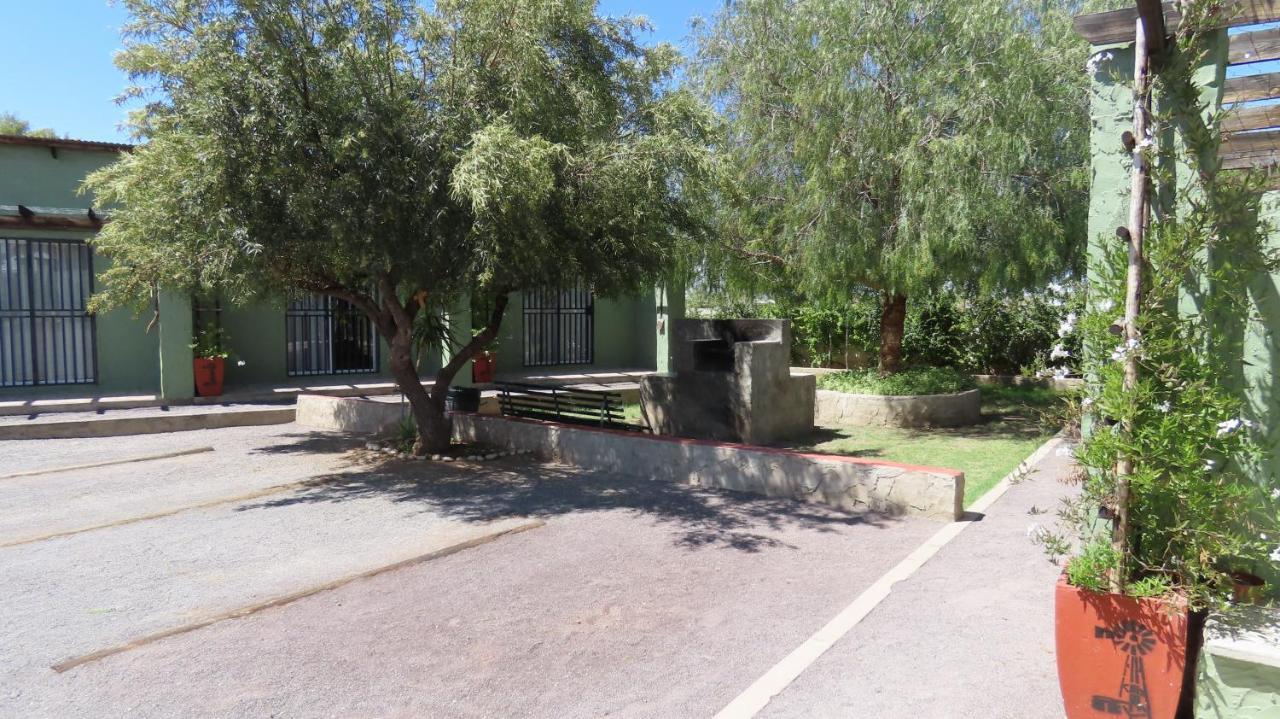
(1170, 503)
(209, 361)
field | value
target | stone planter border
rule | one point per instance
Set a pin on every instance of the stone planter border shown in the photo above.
(915, 411)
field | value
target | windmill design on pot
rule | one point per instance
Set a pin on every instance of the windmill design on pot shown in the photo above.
(1135, 641)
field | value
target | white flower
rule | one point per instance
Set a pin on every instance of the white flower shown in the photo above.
(1165, 406)
(1275, 554)
(1262, 536)
(1275, 494)
(1091, 66)
(1059, 352)
(1209, 464)
(241, 363)
(1122, 351)
(1231, 425)
(1106, 305)
(1062, 373)
(1057, 289)
(1068, 325)
(1086, 402)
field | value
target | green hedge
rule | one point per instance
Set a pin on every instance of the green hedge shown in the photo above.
(917, 380)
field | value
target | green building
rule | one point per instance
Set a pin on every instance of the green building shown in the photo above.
(50, 347)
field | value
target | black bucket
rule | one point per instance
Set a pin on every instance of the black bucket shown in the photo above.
(462, 399)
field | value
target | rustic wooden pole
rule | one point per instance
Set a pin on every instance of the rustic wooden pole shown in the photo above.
(1138, 208)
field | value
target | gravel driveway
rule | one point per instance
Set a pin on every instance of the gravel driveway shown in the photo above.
(636, 598)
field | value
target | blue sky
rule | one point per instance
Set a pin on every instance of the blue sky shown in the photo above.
(57, 55)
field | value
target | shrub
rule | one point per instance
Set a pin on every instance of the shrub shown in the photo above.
(920, 380)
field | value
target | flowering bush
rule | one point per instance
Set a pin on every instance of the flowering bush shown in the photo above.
(1179, 436)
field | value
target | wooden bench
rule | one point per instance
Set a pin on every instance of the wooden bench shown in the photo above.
(564, 404)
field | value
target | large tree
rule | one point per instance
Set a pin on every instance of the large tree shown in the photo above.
(904, 146)
(400, 159)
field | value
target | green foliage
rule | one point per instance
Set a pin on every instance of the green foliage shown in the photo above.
(891, 147)
(921, 380)
(999, 333)
(210, 342)
(316, 146)
(401, 158)
(1194, 512)
(1089, 569)
(11, 124)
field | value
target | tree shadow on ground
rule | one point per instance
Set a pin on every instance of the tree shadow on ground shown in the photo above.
(311, 442)
(520, 488)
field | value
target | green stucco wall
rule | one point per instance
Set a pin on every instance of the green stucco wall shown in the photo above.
(128, 357)
(1227, 688)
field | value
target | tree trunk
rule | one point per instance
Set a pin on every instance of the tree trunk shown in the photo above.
(893, 322)
(434, 429)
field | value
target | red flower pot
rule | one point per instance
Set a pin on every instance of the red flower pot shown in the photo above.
(483, 367)
(208, 371)
(1119, 656)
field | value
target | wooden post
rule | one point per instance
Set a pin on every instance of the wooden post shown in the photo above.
(1138, 208)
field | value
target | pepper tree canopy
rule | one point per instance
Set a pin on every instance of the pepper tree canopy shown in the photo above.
(900, 145)
(485, 145)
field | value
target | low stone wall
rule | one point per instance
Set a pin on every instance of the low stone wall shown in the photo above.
(348, 414)
(1061, 384)
(928, 410)
(847, 483)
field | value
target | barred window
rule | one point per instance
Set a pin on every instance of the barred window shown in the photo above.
(46, 335)
(326, 335)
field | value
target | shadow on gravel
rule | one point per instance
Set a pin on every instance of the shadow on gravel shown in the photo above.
(508, 488)
(310, 443)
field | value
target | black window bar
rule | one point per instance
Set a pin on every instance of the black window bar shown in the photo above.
(326, 335)
(559, 327)
(46, 335)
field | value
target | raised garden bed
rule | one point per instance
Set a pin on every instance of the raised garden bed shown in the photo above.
(923, 397)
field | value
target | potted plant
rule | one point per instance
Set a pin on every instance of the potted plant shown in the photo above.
(1168, 506)
(210, 356)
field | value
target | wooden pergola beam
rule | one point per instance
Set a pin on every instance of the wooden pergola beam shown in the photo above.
(1248, 88)
(1105, 28)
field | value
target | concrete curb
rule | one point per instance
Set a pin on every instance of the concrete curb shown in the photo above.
(280, 601)
(109, 463)
(121, 426)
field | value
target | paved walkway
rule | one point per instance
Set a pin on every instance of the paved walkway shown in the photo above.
(970, 634)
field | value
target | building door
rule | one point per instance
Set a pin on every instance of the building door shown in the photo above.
(46, 335)
(326, 335)
(559, 327)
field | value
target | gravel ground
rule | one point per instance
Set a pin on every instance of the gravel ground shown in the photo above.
(290, 442)
(636, 599)
(244, 460)
(969, 635)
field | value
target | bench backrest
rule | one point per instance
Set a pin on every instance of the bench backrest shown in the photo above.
(563, 404)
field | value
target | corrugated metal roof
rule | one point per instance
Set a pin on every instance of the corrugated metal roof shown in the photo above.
(64, 143)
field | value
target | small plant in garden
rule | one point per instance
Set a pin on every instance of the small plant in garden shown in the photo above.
(210, 343)
(921, 380)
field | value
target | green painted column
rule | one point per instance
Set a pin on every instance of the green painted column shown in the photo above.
(177, 380)
(669, 305)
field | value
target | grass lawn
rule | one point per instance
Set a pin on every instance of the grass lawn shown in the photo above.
(1012, 428)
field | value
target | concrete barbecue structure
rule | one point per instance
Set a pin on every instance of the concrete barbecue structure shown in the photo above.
(731, 381)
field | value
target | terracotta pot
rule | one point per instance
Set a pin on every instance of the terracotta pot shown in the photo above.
(1119, 656)
(483, 367)
(1246, 588)
(208, 371)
